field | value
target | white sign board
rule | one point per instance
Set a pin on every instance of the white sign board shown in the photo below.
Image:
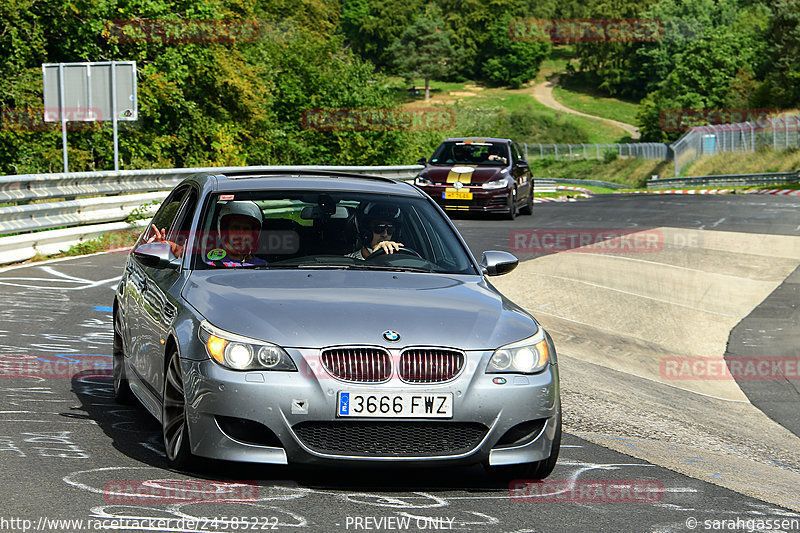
(88, 91)
(83, 92)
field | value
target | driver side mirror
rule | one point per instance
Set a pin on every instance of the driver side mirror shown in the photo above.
(156, 255)
(496, 263)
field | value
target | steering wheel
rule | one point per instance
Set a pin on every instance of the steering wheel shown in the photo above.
(380, 252)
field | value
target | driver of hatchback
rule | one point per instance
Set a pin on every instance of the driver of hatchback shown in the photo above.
(238, 230)
(376, 224)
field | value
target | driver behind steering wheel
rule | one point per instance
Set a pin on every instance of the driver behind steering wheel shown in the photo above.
(375, 224)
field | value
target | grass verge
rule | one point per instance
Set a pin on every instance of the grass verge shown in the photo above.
(764, 160)
(626, 171)
(589, 101)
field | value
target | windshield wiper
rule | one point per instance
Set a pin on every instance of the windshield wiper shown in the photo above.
(395, 268)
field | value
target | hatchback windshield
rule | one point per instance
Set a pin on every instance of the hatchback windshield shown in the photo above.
(471, 153)
(309, 229)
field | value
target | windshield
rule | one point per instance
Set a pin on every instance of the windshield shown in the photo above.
(471, 153)
(308, 229)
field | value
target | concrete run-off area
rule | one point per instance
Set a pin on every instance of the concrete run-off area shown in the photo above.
(628, 323)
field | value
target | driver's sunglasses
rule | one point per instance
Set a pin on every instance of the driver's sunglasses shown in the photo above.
(377, 229)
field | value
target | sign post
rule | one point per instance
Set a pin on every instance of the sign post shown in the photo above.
(86, 92)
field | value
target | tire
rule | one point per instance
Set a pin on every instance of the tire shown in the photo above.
(173, 416)
(527, 209)
(512, 209)
(536, 470)
(122, 389)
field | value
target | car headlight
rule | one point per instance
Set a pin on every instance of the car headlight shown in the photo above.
(502, 183)
(527, 356)
(243, 353)
(420, 180)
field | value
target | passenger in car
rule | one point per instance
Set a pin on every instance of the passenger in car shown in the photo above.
(238, 230)
(494, 155)
(376, 224)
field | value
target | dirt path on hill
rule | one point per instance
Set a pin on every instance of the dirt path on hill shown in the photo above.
(543, 92)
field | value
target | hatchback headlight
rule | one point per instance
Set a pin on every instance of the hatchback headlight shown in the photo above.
(243, 353)
(527, 356)
(421, 180)
(502, 183)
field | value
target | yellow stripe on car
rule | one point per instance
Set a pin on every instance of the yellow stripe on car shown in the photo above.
(463, 177)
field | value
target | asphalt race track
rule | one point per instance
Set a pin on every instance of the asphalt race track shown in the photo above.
(661, 293)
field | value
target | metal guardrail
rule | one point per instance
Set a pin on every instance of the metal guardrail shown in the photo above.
(726, 180)
(544, 182)
(23, 218)
(27, 187)
(116, 195)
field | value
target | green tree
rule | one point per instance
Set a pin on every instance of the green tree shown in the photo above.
(783, 71)
(505, 61)
(371, 26)
(424, 49)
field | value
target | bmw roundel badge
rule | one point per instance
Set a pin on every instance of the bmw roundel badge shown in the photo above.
(391, 336)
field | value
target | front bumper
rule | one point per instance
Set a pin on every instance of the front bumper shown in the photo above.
(280, 401)
(483, 200)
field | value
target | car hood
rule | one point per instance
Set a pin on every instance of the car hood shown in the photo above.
(479, 175)
(314, 309)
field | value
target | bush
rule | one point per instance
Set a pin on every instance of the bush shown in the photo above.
(610, 155)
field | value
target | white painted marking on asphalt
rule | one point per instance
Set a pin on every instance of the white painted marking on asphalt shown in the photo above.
(53, 282)
(718, 222)
(54, 272)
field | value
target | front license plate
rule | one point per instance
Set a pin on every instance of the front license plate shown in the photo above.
(395, 405)
(456, 195)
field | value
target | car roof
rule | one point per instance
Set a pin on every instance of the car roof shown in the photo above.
(308, 180)
(477, 139)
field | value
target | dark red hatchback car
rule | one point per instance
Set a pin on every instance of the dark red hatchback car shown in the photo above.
(484, 175)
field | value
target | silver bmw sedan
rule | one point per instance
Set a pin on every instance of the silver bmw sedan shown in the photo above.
(329, 318)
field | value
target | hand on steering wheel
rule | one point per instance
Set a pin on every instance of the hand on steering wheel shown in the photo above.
(389, 248)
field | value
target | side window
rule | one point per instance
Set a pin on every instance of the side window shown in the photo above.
(165, 216)
(517, 154)
(179, 229)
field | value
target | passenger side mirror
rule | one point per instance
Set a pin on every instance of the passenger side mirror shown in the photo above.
(422, 161)
(496, 263)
